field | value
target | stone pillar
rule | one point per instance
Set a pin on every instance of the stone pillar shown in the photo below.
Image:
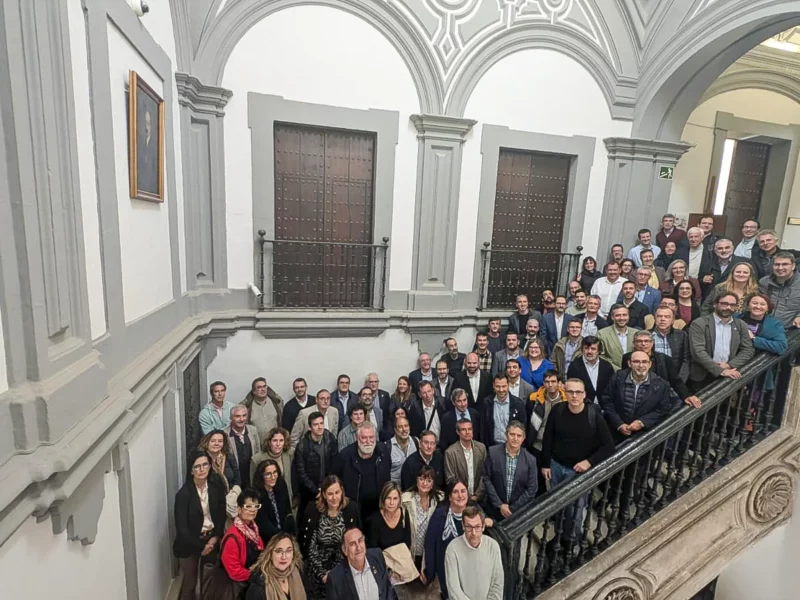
(636, 194)
(441, 140)
(202, 112)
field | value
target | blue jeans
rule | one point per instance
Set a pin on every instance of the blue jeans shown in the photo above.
(573, 514)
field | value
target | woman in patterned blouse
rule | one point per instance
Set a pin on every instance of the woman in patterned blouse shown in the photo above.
(420, 501)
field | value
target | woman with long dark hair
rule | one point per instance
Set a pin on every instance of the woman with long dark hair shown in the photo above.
(275, 514)
(403, 396)
(420, 502)
(589, 274)
(199, 519)
(277, 575)
(688, 309)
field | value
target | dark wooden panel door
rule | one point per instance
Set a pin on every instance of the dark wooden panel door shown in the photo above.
(192, 404)
(745, 185)
(324, 183)
(529, 208)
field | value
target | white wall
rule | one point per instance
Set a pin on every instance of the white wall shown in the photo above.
(3, 366)
(34, 563)
(143, 226)
(540, 91)
(249, 355)
(326, 57)
(150, 505)
(86, 170)
(692, 172)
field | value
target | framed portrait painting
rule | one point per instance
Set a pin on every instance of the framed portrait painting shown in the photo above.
(145, 141)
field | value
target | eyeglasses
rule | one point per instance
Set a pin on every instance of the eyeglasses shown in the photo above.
(283, 551)
(473, 528)
(201, 466)
(271, 474)
(251, 506)
(574, 392)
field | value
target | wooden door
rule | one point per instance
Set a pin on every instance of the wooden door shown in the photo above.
(324, 182)
(745, 185)
(528, 230)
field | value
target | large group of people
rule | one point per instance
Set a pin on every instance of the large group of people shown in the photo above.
(349, 493)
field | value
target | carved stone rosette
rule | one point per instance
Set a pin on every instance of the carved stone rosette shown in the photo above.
(771, 498)
(623, 593)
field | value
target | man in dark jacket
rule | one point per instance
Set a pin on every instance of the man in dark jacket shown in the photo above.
(342, 398)
(460, 410)
(368, 563)
(363, 468)
(473, 380)
(670, 341)
(636, 400)
(593, 371)
(423, 373)
(384, 400)
(313, 460)
(499, 409)
(452, 358)
(427, 454)
(637, 311)
(426, 411)
(517, 320)
(716, 267)
(506, 495)
(783, 288)
(302, 399)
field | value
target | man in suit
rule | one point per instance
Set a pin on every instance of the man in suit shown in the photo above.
(644, 292)
(427, 454)
(511, 351)
(517, 320)
(636, 399)
(593, 371)
(384, 400)
(243, 442)
(425, 413)
(617, 339)
(517, 386)
(477, 383)
(463, 460)
(302, 399)
(499, 409)
(533, 332)
(500, 501)
(591, 321)
(670, 341)
(422, 373)
(637, 311)
(368, 564)
(342, 398)
(657, 274)
(720, 345)
(443, 384)
(329, 413)
(706, 225)
(450, 418)
(567, 349)
(715, 268)
(554, 324)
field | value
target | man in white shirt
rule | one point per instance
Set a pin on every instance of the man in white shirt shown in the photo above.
(464, 460)
(608, 288)
(364, 571)
(696, 250)
(745, 247)
(517, 386)
(424, 413)
(644, 244)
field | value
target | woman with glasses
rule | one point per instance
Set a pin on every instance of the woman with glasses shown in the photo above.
(323, 531)
(678, 271)
(278, 573)
(242, 544)
(688, 309)
(420, 501)
(199, 519)
(275, 514)
(277, 446)
(535, 364)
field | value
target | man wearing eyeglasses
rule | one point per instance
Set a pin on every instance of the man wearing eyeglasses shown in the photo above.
(720, 345)
(362, 575)
(472, 562)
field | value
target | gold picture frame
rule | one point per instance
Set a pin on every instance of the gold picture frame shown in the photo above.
(145, 150)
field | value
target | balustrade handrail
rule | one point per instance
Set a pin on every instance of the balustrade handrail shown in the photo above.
(523, 521)
(321, 243)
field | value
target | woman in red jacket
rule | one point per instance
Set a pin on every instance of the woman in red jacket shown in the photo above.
(242, 544)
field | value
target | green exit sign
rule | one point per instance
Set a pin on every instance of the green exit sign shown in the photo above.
(666, 172)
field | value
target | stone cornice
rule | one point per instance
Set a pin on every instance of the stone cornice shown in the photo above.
(646, 150)
(200, 97)
(442, 127)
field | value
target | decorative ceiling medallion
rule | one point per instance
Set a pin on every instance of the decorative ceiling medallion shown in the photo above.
(771, 498)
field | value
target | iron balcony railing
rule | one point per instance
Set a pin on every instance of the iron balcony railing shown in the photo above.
(315, 274)
(507, 273)
(642, 477)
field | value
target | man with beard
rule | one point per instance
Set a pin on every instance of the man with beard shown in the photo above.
(472, 380)
(302, 399)
(363, 468)
(579, 305)
(453, 358)
(443, 384)
(400, 447)
(720, 345)
(616, 339)
(511, 351)
(373, 412)
(483, 351)
(518, 319)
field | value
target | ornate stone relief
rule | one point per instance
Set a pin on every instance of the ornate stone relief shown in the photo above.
(771, 498)
(623, 593)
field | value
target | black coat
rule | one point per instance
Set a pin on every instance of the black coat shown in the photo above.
(516, 412)
(269, 522)
(415, 377)
(189, 517)
(416, 416)
(666, 368)
(342, 587)
(599, 321)
(637, 311)
(307, 474)
(384, 400)
(653, 407)
(577, 370)
(414, 462)
(348, 468)
(290, 412)
(679, 345)
(461, 380)
(709, 265)
(338, 405)
(449, 435)
(310, 522)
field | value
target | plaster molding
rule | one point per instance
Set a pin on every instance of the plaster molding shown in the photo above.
(201, 98)
(756, 78)
(79, 514)
(647, 150)
(442, 127)
(771, 497)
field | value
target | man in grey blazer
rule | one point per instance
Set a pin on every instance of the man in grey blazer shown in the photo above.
(463, 460)
(501, 499)
(720, 345)
(323, 405)
(243, 441)
(510, 351)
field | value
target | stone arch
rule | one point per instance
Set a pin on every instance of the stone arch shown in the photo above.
(548, 37)
(684, 69)
(224, 33)
(754, 79)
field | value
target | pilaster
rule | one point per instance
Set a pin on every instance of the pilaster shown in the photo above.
(637, 194)
(441, 140)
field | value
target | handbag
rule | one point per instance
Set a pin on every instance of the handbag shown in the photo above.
(401, 564)
(216, 584)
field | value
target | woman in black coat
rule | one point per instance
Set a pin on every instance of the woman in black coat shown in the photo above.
(199, 519)
(589, 274)
(275, 514)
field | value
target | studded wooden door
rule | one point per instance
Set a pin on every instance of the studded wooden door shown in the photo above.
(529, 207)
(745, 185)
(192, 404)
(324, 204)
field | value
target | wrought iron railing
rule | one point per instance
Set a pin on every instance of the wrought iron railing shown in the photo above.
(312, 274)
(642, 477)
(507, 273)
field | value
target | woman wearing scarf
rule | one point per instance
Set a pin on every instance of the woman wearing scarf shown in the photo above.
(445, 526)
(242, 544)
(278, 573)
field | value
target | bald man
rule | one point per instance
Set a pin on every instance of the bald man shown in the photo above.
(474, 381)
